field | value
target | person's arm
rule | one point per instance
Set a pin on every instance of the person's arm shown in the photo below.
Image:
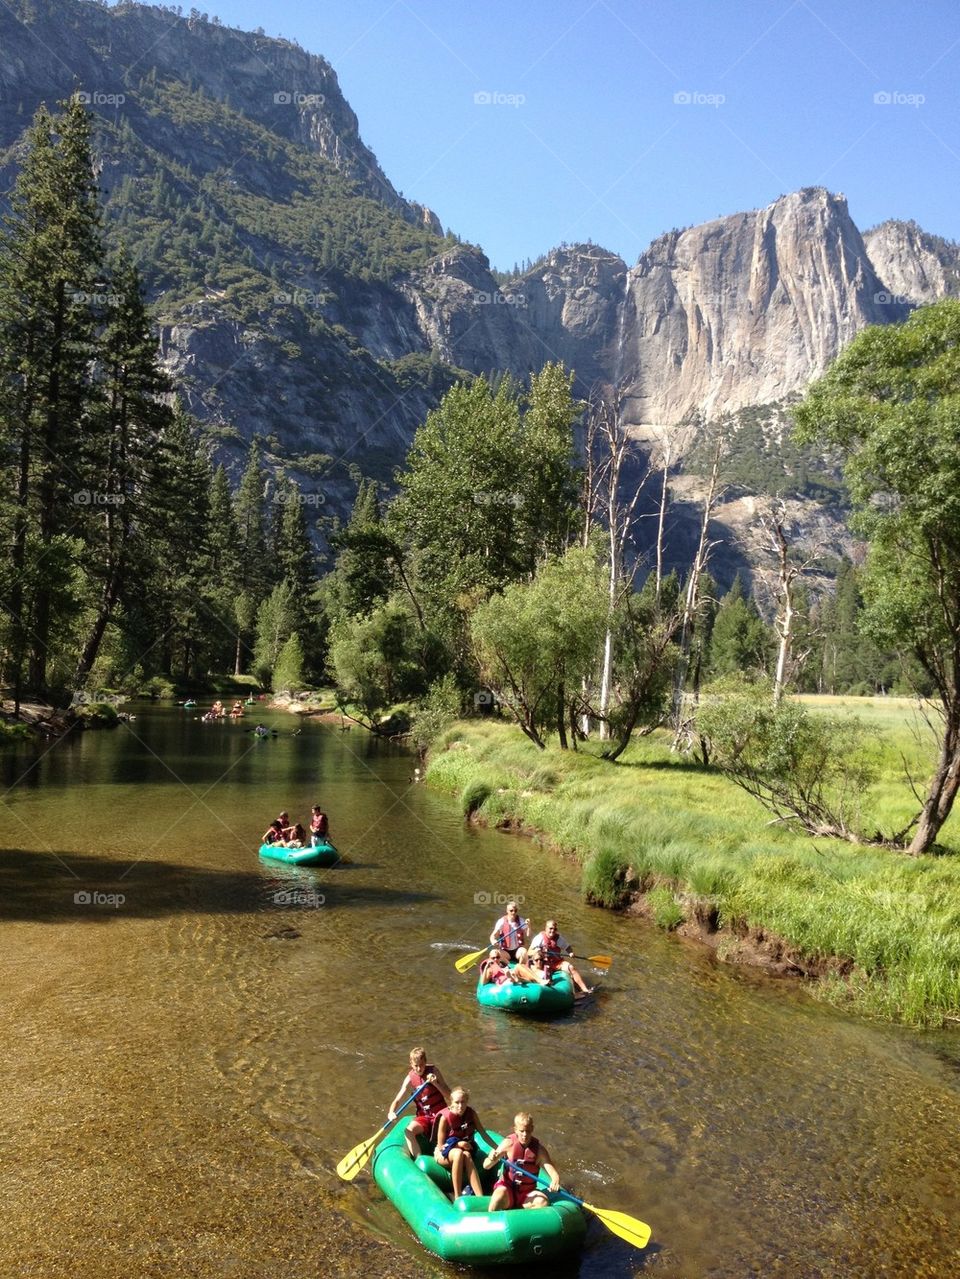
(392, 1112)
(564, 945)
(496, 1155)
(443, 1132)
(438, 1080)
(546, 1163)
(526, 930)
(495, 935)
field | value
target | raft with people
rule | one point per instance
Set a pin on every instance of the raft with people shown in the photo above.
(534, 999)
(318, 855)
(465, 1230)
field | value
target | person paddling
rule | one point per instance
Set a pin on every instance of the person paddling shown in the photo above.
(555, 949)
(510, 932)
(456, 1147)
(319, 826)
(514, 1189)
(428, 1104)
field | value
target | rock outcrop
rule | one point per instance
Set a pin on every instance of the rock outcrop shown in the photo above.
(915, 267)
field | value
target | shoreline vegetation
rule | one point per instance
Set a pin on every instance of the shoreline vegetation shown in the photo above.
(659, 836)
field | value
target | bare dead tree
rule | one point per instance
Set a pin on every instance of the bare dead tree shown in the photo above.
(788, 571)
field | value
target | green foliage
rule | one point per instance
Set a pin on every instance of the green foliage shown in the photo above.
(440, 707)
(606, 878)
(666, 910)
(378, 660)
(288, 672)
(809, 769)
(739, 639)
(276, 618)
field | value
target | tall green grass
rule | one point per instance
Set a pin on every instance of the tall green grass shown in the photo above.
(656, 823)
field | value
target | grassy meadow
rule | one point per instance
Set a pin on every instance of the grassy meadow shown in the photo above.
(696, 845)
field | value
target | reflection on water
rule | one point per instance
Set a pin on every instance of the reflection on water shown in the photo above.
(185, 1066)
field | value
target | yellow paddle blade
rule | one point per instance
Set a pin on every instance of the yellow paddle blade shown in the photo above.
(468, 961)
(358, 1158)
(630, 1228)
(599, 961)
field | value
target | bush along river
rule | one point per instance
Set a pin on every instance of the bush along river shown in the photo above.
(195, 1037)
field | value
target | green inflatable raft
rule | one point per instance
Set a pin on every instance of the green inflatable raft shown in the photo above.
(529, 998)
(464, 1230)
(321, 855)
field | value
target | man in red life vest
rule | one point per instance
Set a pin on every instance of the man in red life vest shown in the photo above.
(514, 1189)
(555, 949)
(428, 1104)
(510, 932)
(319, 826)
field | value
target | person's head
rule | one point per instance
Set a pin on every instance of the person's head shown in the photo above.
(494, 954)
(276, 824)
(418, 1058)
(550, 928)
(458, 1100)
(284, 816)
(523, 1126)
(317, 808)
(535, 956)
(512, 908)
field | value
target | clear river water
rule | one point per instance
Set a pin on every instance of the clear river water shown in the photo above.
(184, 1067)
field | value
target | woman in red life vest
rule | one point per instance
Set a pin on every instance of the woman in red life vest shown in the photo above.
(456, 1148)
(428, 1104)
(509, 934)
(555, 950)
(514, 1189)
(319, 826)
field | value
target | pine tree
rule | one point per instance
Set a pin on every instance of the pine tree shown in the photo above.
(254, 574)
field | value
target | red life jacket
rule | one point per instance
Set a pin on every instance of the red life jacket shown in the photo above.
(461, 1126)
(319, 824)
(528, 1157)
(552, 954)
(500, 974)
(510, 935)
(430, 1102)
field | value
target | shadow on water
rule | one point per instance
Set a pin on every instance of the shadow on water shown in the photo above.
(68, 885)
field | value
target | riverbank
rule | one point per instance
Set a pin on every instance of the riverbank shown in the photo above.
(659, 836)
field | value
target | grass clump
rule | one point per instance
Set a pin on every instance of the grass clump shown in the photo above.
(607, 878)
(666, 910)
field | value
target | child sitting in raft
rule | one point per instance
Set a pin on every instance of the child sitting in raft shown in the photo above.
(514, 1189)
(274, 833)
(429, 1104)
(456, 1147)
(319, 826)
(296, 836)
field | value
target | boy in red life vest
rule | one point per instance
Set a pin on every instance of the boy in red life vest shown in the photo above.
(428, 1104)
(509, 934)
(274, 833)
(554, 949)
(456, 1148)
(514, 1189)
(319, 826)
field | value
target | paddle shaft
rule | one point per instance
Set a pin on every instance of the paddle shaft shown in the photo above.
(632, 1229)
(362, 1151)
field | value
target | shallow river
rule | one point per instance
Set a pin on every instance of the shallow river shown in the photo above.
(184, 1068)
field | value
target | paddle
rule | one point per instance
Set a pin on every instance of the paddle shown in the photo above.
(468, 961)
(630, 1228)
(359, 1156)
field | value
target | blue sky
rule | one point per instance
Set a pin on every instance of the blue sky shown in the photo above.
(524, 123)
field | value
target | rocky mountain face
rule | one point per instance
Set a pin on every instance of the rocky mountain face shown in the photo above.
(301, 298)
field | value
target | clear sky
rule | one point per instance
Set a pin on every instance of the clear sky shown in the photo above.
(524, 123)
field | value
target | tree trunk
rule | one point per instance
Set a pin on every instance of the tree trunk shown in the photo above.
(943, 788)
(561, 716)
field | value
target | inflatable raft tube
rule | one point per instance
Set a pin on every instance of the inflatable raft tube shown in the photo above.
(465, 1231)
(529, 998)
(321, 855)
